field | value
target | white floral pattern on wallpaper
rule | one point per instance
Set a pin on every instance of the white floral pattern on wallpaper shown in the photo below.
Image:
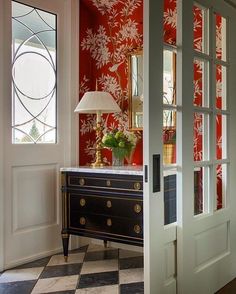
(108, 45)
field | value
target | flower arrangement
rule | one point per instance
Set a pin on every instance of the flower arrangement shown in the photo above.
(121, 143)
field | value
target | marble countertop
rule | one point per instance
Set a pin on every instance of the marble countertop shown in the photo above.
(123, 170)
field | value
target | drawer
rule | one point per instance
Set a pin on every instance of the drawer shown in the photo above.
(110, 182)
(116, 206)
(99, 224)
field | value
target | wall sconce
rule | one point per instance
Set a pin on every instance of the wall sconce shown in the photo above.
(97, 102)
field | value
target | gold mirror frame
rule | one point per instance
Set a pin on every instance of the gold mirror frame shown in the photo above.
(135, 77)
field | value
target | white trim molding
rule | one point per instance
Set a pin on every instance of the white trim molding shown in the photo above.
(1, 137)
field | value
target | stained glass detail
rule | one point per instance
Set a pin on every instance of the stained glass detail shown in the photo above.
(33, 75)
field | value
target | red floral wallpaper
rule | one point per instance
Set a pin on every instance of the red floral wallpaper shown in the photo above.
(109, 29)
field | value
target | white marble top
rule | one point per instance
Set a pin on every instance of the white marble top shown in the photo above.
(123, 170)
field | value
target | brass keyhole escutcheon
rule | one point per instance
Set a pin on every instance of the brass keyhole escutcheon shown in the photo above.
(82, 220)
(137, 186)
(109, 222)
(108, 183)
(81, 182)
(137, 229)
(82, 202)
(137, 208)
(109, 204)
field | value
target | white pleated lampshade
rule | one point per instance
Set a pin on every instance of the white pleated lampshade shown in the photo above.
(94, 101)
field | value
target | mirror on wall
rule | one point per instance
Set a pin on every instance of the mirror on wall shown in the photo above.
(135, 82)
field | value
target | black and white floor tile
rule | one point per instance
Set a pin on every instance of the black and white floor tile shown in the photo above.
(91, 269)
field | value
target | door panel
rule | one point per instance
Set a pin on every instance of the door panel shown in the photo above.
(159, 240)
(153, 201)
(32, 195)
(205, 243)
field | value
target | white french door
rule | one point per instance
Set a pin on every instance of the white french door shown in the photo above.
(40, 141)
(154, 275)
(197, 254)
(206, 251)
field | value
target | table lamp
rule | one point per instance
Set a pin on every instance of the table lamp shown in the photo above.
(97, 102)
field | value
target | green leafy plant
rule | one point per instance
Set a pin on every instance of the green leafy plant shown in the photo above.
(120, 142)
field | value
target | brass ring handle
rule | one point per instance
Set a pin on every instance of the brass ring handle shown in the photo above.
(82, 202)
(137, 229)
(109, 204)
(81, 182)
(109, 222)
(82, 220)
(137, 208)
(108, 183)
(137, 186)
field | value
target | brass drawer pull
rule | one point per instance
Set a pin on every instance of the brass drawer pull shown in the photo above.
(108, 183)
(82, 202)
(82, 220)
(137, 229)
(81, 182)
(137, 186)
(109, 204)
(137, 208)
(109, 222)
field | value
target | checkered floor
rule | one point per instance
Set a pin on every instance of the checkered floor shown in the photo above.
(91, 269)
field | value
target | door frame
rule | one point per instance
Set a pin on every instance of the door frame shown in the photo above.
(1, 140)
(71, 72)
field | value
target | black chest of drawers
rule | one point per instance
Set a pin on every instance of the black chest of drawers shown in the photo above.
(103, 206)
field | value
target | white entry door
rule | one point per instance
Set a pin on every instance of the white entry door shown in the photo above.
(37, 107)
(206, 70)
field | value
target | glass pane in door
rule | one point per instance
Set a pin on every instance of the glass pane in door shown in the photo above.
(201, 88)
(169, 137)
(221, 184)
(221, 87)
(201, 190)
(221, 34)
(221, 144)
(201, 137)
(200, 28)
(33, 75)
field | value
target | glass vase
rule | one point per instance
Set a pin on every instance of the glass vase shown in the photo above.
(117, 158)
(129, 157)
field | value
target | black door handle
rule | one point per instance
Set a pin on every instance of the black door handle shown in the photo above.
(156, 173)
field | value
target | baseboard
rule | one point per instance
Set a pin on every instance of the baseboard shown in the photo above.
(32, 258)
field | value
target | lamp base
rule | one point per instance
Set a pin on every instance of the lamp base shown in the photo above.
(98, 162)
